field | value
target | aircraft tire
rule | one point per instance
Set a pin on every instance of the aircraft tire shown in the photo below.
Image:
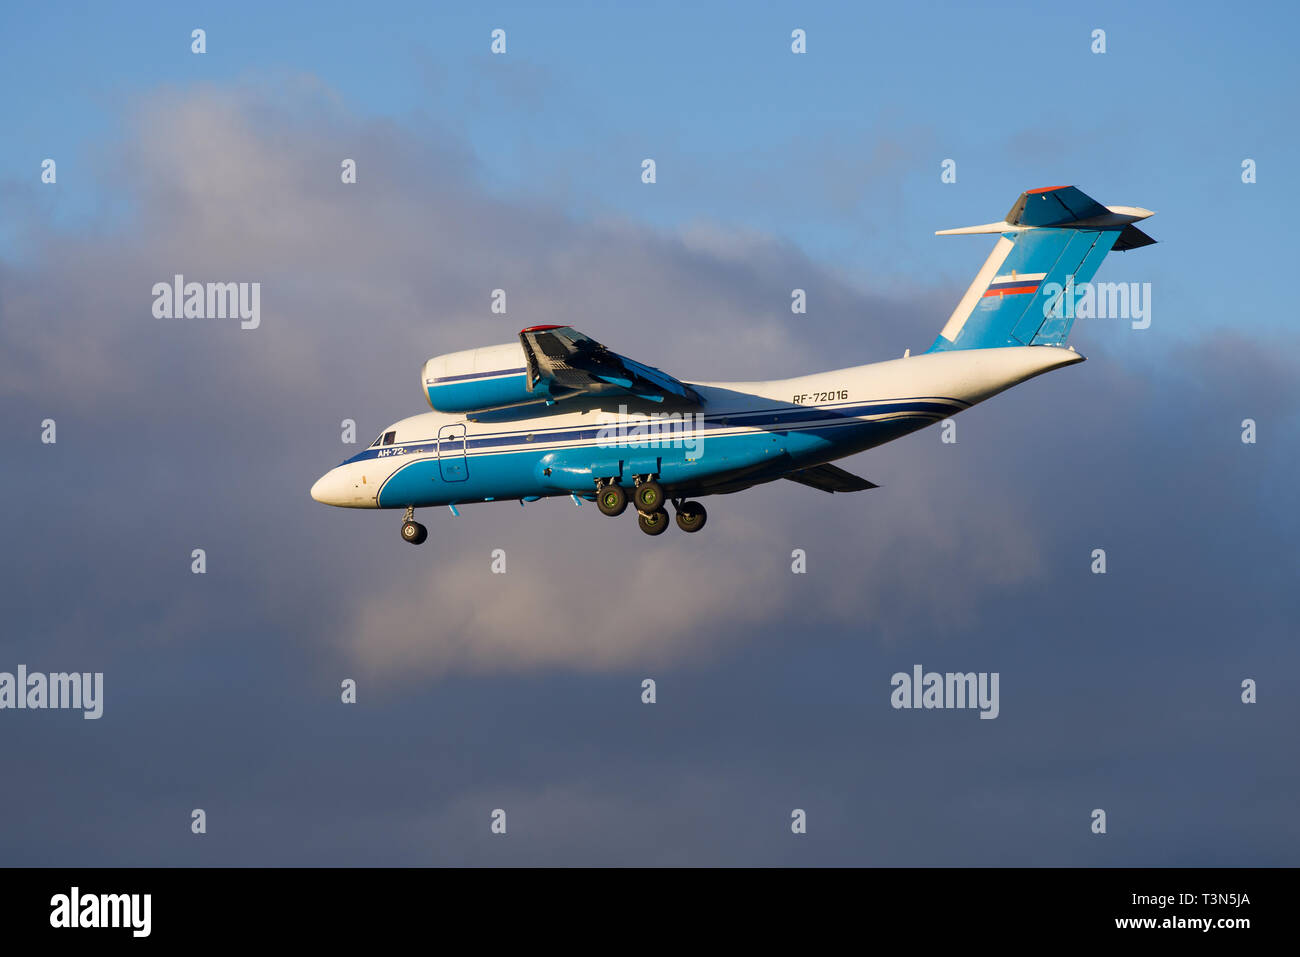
(414, 532)
(691, 517)
(611, 500)
(649, 496)
(653, 523)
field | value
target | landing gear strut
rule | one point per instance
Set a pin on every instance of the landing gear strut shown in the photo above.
(413, 531)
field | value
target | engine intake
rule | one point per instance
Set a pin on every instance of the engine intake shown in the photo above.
(478, 380)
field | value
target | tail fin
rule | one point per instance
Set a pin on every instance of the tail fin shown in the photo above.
(1050, 234)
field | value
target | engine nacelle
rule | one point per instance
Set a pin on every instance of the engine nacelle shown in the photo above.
(477, 380)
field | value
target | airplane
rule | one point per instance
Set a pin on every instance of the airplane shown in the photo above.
(556, 413)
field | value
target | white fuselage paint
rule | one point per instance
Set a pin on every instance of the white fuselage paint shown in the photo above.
(970, 376)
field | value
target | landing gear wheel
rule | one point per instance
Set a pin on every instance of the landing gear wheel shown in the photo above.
(414, 532)
(691, 516)
(649, 496)
(611, 500)
(653, 523)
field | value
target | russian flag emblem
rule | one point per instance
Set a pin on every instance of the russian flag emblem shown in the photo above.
(1013, 284)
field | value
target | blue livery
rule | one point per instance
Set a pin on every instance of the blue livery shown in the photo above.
(558, 414)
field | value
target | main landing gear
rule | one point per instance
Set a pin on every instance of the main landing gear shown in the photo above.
(691, 516)
(649, 498)
(413, 531)
(611, 499)
(653, 523)
(649, 495)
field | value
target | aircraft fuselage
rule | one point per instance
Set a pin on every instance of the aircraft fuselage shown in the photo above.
(742, 434)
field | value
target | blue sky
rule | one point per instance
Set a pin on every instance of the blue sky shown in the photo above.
(837, 151)
(774, 171)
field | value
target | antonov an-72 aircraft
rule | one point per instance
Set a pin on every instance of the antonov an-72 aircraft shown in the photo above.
(556, 413)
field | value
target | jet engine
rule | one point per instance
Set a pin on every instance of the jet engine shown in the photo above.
(476, 380)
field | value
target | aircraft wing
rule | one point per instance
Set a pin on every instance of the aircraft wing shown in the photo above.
(830, 478)
(562, 362)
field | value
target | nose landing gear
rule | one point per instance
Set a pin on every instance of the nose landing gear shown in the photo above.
(413, 531)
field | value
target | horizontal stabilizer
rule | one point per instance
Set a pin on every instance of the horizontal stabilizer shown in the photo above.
(1131, 237)
(830, 478)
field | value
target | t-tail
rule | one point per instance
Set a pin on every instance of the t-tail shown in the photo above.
(1052, 240)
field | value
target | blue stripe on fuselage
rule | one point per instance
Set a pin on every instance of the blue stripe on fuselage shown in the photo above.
(784, 416)
(755, 456)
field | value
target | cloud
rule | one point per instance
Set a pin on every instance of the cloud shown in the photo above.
(359, 285)
(177, 434)
(622, 605)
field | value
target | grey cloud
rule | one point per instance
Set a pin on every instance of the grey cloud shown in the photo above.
(359, 286)
(521, 690)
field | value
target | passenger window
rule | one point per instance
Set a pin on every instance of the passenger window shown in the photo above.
(389, 437)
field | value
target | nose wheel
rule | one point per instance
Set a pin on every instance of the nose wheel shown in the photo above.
(413, 531)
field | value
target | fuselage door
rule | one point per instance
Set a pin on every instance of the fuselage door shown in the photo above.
(451, 453)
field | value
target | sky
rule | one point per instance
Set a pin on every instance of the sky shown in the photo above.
(523, 691)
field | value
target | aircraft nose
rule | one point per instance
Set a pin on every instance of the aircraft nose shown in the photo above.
(323, 490)
(344, 487)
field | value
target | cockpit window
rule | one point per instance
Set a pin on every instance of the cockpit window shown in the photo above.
(378, 441)
(389, 437)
